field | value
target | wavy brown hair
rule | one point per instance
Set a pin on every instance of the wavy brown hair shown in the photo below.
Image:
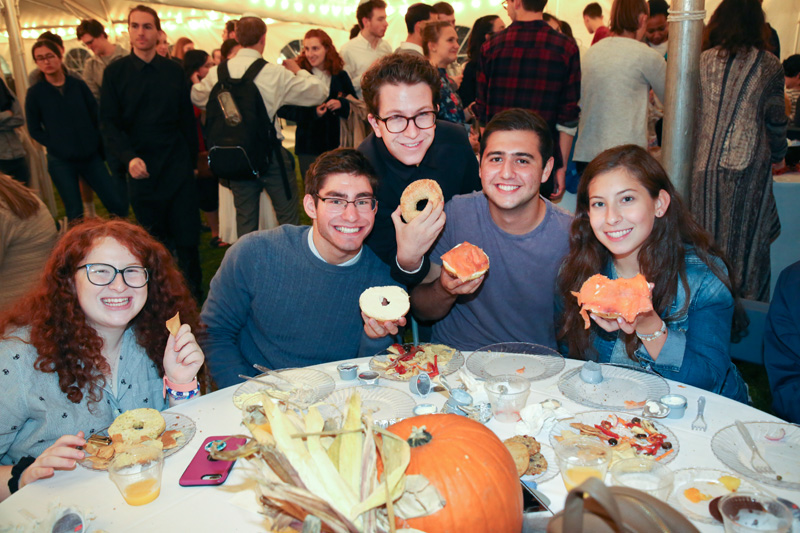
(661, 257)
(735, 26)
(67, 345)
(333, 63)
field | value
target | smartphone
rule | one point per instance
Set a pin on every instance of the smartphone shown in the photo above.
(203, 470)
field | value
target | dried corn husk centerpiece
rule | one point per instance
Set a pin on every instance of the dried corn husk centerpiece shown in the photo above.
(307, 469)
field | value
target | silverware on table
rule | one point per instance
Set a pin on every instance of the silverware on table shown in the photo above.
(699, 423)
(756, 460)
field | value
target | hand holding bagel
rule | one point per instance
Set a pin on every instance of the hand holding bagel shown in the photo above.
(417, 237)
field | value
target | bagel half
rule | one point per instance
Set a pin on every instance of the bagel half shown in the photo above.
(384, 304)
(466, 262)
(416, 192)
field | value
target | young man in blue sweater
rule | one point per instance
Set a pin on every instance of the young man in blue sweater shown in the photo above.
(288, 297)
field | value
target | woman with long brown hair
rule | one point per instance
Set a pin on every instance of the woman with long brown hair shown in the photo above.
(88, 342)
(318, 127)
(629, 219)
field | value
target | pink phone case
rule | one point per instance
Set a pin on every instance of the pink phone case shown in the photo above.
(206, 471)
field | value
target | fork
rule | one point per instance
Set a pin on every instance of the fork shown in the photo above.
(699, 423)
(757, 460)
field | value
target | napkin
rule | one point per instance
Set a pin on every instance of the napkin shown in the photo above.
(540, 418)
(474, 387)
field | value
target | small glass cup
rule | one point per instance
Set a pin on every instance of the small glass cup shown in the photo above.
(643, 474)
(137, 473)
(580, 458)
(744, 512)
(507, 394)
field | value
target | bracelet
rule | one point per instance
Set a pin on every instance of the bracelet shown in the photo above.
(653, 336)
(183, 395)
(175, 388)
(16, 472)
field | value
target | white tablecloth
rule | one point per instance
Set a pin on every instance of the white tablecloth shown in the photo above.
(229, 507)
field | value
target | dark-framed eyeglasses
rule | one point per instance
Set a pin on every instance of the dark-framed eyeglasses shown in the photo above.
(102, 274)
(399, 123)
(364, 204)
(48, 57)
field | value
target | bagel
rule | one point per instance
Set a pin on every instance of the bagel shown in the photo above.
(416, 192)
(384, 304)
(138, 424)
(466, 262)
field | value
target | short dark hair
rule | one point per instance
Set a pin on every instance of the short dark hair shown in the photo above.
(625, 15)
(791, 66)
(231, 25)
(518, 119)
(417, 13)
(398, 69)
(193, 60)
(593, 11)
(92, 27)
(44, 43)
(145, 9)
(250, 30)
(658, 7)
(227, 47)
(339, 161)
(535, 6)
(52, 37)
(365, 9)
(443, 8)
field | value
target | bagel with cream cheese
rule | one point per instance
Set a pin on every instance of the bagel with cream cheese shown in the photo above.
(385, 304)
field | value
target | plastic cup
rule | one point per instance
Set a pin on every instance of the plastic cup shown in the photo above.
(137, 474)
(643, 474)
(507, 394)
(581, 458)
(744, 512)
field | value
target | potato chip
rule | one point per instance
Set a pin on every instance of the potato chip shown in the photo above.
(174, 324)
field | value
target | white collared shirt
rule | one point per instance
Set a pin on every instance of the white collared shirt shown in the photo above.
(405, 45)
(359, 55)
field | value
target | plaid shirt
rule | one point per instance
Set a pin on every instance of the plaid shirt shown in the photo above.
(530, 65)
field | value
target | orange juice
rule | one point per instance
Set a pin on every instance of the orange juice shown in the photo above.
(142, 492)
(576, 475)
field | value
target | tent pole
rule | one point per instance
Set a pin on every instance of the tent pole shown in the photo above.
(680, 105)
(16, 49)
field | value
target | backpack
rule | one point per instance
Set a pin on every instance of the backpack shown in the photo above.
(241, 138)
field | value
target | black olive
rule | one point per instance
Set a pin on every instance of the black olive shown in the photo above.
(779, 477)
(408, 347)
(612, 442)
(666, 445)
(636, 420)
(641, 435)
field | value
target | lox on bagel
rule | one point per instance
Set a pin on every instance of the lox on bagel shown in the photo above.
(466, 262)
(614, 298)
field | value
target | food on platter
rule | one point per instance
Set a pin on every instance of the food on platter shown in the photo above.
(407, 360)
(388, 303)
(698, 490)
(137, 425)
(466, 261)
(535, 463)
(519, 452)
(417, 192)
(174, 324)
(614, 298)
(694, 495)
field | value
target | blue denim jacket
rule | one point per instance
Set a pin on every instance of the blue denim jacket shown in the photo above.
(696, 351)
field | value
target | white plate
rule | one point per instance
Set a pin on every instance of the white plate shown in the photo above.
(620, 384)
(595, 417)
(783, 455)
(174, 421)
(552, 466)
(531, 361)
(386, 404)
(706, 480)
(319, 384)
(456, 362)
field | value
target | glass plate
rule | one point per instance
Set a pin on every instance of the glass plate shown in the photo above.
(595, 417)
(782, 455)
(319, 385)
(620, 384)
(387, 405)
(531, 361)
(707, 481)
(174, 421)
(455, 363)
(552, 466)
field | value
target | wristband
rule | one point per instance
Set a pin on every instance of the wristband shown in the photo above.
(178, 387)
(653, 336)
(183, 395)
(16, 472)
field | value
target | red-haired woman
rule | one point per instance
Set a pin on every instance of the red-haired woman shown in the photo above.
(318, 127)
(89, 342)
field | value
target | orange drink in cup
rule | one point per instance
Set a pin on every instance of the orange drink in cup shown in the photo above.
(137, 473)
(581, 458)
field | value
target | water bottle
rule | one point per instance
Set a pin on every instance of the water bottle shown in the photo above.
(229, 109)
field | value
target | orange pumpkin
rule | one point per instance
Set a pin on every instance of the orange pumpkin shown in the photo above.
(472, 470)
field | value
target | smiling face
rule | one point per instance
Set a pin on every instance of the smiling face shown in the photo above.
(143, 32)
(498, 25)
(445, 50)
(409, 146)
(339, 234)
(314, 51)
(622, 213)
(109, 308)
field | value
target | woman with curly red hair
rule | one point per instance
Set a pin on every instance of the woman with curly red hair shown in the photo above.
(89, 342)
(318, 127)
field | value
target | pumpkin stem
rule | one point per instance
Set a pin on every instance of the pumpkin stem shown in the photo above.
(419, 437)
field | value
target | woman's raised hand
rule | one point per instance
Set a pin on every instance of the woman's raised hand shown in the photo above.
(182, 356)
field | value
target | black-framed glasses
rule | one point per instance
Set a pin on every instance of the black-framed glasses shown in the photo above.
(48, 57)
(365, 204)
(101, 274)
(399, 123)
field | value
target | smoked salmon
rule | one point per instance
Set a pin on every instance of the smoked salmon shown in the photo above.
(612, 298)
(466, 261)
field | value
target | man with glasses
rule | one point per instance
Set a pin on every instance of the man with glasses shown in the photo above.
(253, 312)
(407, 144)
(94, 37)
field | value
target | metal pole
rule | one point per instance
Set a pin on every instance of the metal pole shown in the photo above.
(683, 59)
(16, 49)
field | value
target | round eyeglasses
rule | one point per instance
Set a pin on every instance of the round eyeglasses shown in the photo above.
(399, 123)
(338, 205)
(101, 274)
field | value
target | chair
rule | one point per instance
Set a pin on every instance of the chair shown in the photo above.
(751, 348)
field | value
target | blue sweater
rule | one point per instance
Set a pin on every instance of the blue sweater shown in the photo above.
(273, 302)
(782, 344)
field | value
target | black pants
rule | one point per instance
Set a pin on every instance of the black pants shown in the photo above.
(17, 169)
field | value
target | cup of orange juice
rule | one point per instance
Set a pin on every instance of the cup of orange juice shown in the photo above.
(581, 458)
(137, 473)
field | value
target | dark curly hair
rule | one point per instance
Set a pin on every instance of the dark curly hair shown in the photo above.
(661, 257)
(735, 26)
(65, 342)
(333, 63)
